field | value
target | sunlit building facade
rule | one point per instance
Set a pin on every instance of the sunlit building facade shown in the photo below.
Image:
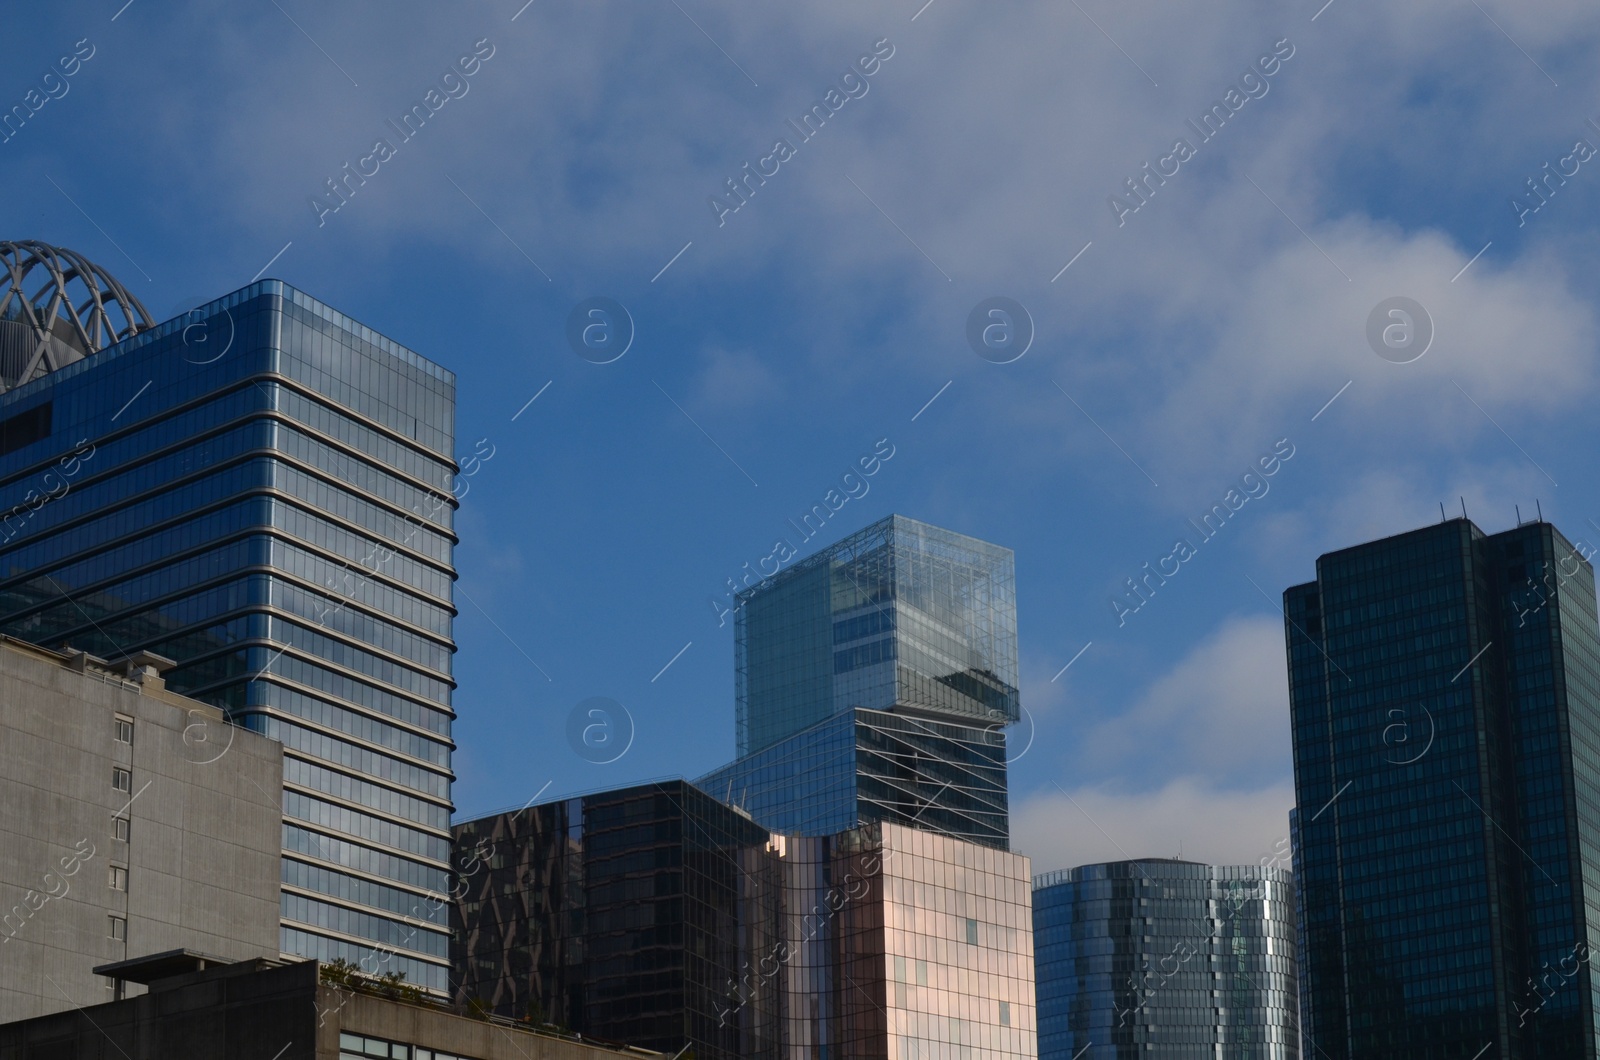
(874, 681)
(260, 490)
(1445, 686)
(1169, 960)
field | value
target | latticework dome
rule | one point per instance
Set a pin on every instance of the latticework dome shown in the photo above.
(57, 307)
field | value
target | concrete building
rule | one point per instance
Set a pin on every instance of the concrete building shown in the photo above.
(1168, 960)
(132, 820)
(267, 1010)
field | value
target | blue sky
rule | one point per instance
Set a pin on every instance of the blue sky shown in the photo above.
(776, 344)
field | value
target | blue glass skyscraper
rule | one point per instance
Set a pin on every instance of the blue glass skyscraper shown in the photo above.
(261, 491)
(873, 682)
(1166, 959)
(1445, 687)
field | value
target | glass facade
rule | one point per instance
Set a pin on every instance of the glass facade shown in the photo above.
(934, 943)
(639, 915)
(1445, 687)
(260, 490)
(870, 765)
(874, 680)
(1166, 959)
(899, 616)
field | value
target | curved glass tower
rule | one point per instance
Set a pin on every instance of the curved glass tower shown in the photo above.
(1166, 960)
(260, 491)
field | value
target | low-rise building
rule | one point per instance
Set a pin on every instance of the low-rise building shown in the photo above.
(132, 820)
(265, 1009)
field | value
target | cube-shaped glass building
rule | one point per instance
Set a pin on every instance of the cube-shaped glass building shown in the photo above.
(900, 616)
(874, 680)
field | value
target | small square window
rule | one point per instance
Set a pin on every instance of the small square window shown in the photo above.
(121, 779)
(972, 932)
(119, 878)
(124, 729)
(119, 928)
(119, 829)
(1005, 1013)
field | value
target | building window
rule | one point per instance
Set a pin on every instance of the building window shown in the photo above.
(121, 779)
(1005, 1013)
(972, 932)
(124, 729)
(119, 878)
(119, 829)
(119, 928)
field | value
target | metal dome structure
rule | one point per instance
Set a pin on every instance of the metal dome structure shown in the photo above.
(57, 307)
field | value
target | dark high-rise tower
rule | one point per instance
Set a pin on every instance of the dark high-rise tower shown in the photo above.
(259, 490)
(1445, 688)
(874, 680)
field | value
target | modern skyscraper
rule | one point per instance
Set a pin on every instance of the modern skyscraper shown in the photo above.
(873, 682)
(259, 490)
(632, 915)
(1166, 959)
(1445, 687)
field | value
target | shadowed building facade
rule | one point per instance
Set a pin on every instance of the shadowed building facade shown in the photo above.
(1445, 687)
(625, 915)
(874, 680)
(259, 490)
(1166, 959)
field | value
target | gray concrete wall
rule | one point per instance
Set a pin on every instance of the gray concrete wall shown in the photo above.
(204, 830)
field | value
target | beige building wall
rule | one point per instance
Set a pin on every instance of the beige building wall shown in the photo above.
(132, 821)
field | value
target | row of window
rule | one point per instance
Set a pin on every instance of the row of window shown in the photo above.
(380, 447)
(330, 611)
(357, 1047)
(339, 785)
(363, 859)
(430, 506)
(366, 558)
(407, 531)
(379, 731)
(362, 826)
(343, 581)
(338, 752)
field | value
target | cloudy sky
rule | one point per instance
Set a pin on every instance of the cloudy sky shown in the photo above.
(1180, 332)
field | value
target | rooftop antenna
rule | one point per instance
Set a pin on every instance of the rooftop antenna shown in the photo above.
(1518, 507)
(1539, 508)
(1463, 507)
(1442, 516)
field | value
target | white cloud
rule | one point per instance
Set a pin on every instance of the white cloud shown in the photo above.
(1092, 824)
(734, 379)
(1220, 715)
